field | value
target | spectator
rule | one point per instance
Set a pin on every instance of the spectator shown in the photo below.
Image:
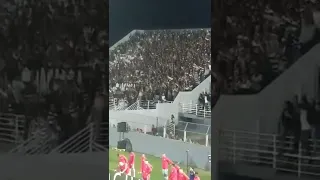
(256, 42)
(168, 61)
(53, 54)
(289, 126)
(305, 124)
(316, 127)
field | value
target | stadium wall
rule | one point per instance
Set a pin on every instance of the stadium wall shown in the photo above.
(165, 110)
(260, 113)
(156, 146)
(122, 40)
(143, 119)
(193, 96)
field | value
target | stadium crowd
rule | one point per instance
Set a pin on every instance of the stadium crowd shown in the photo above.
(156, 65)
(257, 41)
(52, 62)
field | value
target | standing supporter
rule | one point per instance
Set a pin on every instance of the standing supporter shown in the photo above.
(251, 52)
(287, 124)
(184, 52)
(305, 125)
(54, 53)
(131, 164)
(165, 164)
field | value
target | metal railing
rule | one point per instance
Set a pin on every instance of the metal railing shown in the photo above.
(146, 123)
(112, 103)
(203, 111)
(193, 133)
(135, 106)
(142, 104)
(103, 138)
(34, 145)
(184, 131)
(83, 141)
(116, 104)
(11, 128)
(269, 150)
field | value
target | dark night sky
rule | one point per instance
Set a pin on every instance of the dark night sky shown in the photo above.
(127, 15)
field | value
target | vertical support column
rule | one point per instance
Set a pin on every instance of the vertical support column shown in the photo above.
(91, 137)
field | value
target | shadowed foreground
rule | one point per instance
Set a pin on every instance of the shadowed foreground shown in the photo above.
(53, 167)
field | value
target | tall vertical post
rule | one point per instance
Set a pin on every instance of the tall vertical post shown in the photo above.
(91, 136)
(16, 129)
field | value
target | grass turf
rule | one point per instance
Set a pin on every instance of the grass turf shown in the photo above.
(155, 162)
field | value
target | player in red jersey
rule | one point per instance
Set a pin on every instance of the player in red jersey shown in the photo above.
(196, 177)
(143, 159)
(182, 175)
(146, 172)
(131, 164)
(165, 164)
(174, 172)
(123, 164)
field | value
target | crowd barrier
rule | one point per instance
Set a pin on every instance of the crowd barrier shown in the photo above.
(185, 131)
(268, 150)
(202, 111)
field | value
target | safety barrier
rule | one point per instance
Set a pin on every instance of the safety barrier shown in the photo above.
(135, 106)
(134, 126)
(185, 131)
(142, 104)
(116, 104)
(203, 111)
(34, 145)
(112, 103)
(103, 138)
(269, 150)
(83, 141)
(11, 128)
(193, 133)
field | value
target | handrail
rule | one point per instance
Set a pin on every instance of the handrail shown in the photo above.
(79, 142)
(12, 128)
(103, 138)
(185, 131)
(83, 141)
(23, 144)
(138, 105)
(99, 147)
(134, 106)
(33, 145)
(145, 104)
(269, 150)
(193, 132)
(196, 109)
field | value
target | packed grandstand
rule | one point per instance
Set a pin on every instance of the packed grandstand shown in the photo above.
(160, 86)
(151, 67)
(52, 72)
(265, 92)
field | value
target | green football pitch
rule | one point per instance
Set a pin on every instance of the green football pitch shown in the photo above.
(155, 162)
